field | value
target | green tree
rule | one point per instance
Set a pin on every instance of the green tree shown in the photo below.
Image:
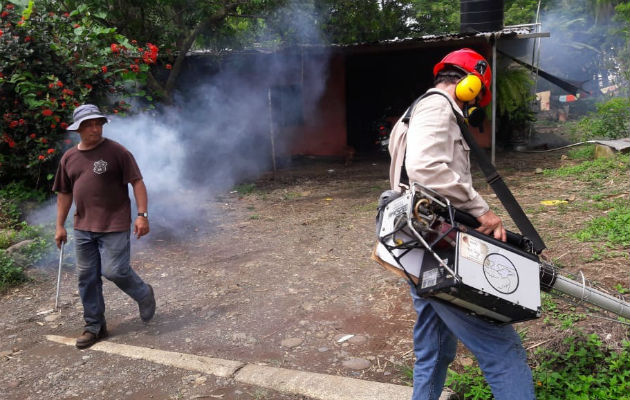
(178, 26)
(437, 17)
(349, 21)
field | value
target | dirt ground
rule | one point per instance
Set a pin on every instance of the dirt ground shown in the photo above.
(276, 277)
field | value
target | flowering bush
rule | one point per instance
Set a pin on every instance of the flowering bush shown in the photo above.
(51, 62)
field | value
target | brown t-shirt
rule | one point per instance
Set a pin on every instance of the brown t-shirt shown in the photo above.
(98, 179)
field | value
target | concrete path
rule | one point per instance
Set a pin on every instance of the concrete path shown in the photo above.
(312, 385)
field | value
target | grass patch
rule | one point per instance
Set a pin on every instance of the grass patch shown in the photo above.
(371, 206)
(583, 368)
(586, 152)
(245, 188)
(594, 170)
(614, 227)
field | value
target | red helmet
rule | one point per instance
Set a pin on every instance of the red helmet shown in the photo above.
(471, 62)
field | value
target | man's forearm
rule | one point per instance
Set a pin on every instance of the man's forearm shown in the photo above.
(64, 202)
(140, 194)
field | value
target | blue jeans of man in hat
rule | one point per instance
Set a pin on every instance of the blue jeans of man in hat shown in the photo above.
(104, 254)
(498, 350)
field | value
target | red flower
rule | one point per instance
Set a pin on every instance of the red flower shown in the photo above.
(27, 39)
(115, 48)
(41, 157)
(63, 104)
(134, 41)
(50, 151)
(53, 126)
(87, 85)
(1, 33)
(44, 140)
(75, 26)
(13, 124)
(57, 118)
(33, 136)
(104, 69)
(9, 6)
(52, 14)
(68, 92)
(66, 14)
(140, 49)
(63, 125)
(59, 83)
(4, 14)
(134, 67)
(169, 66)
(8, 139)
(21, 122)
(51, 85)
(47, 112)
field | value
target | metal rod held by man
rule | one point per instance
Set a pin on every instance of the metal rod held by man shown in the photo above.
(59, 275)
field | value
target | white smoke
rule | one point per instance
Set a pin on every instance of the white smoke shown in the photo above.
(218, 133)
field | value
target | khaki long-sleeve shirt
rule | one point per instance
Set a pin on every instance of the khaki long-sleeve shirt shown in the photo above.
(435, 153)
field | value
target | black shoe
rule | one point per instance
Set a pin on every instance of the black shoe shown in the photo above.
(89, 338)
(147, 306)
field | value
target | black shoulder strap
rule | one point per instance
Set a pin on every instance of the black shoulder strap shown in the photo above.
(492, 177)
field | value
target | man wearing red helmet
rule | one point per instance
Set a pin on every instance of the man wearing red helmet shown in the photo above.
(428, 148)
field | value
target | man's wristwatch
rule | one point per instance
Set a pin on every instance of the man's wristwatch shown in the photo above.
(144, 214)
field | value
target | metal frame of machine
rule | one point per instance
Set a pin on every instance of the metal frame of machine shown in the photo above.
(434, 245)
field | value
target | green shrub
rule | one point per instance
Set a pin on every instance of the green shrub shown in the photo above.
(611, 121)
(10, 274)
(586, 369)
(586, 152)
(469, 384)
(11, 196)
(50, 62)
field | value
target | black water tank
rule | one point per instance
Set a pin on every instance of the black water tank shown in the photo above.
(481, 15)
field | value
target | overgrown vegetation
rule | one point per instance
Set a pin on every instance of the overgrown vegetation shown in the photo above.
(14, 230)
(584, 368)
(610, 121)
(592, 170)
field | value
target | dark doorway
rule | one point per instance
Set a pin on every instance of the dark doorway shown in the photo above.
(380, 86)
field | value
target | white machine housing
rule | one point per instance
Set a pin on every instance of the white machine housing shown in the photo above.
(486, 277)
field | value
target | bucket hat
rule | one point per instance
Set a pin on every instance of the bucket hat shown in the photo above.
(83, 113)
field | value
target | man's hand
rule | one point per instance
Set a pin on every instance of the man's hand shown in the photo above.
(491, 225)
(140, 227)
(61, 236)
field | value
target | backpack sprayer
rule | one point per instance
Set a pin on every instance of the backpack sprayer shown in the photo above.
(423, 238)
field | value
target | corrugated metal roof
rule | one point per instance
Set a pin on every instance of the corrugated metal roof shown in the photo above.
(516, 32)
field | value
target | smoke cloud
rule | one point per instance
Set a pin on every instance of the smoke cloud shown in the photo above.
(218, 134)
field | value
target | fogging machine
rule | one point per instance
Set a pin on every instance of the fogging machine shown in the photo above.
(423, 238)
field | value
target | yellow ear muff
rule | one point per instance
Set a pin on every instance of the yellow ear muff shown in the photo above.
(468, 88)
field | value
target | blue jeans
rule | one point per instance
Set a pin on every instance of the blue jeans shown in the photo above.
(498, 350)
(104, 254)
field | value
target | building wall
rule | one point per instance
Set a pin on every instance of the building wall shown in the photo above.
(323, 132)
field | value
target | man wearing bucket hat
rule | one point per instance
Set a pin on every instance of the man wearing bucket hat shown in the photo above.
(427, 147)
(95, 174)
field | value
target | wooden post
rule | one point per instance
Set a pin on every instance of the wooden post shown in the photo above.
(272, 133)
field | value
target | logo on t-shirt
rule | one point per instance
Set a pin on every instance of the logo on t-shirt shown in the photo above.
(100, 166)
